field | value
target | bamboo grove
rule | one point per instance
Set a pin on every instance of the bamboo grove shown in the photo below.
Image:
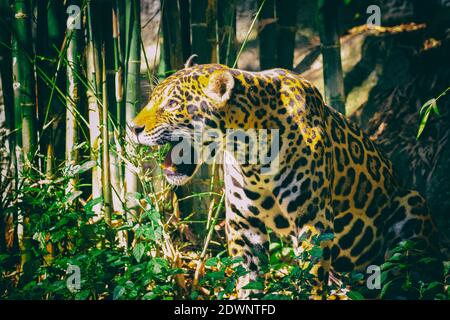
(71, 81)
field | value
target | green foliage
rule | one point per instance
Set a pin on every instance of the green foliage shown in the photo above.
(221, 276)
(289, 274)
(407, 275)
(65, 233)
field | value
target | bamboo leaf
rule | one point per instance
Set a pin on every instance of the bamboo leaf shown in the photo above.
(423, 123)
(426, 105)
(435, 108)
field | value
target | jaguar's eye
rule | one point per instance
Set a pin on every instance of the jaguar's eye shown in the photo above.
(171, 105)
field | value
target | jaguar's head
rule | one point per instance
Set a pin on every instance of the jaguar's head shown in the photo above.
(190, 101)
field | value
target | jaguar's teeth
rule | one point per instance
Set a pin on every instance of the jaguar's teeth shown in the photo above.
(170, 168)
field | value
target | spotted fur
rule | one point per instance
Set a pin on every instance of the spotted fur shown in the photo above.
(331, 178)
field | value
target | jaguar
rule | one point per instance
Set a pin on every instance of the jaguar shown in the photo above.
(330, 178)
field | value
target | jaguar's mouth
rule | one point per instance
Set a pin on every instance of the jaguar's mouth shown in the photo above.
(179, 163)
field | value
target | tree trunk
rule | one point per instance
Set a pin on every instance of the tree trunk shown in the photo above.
(331, 54)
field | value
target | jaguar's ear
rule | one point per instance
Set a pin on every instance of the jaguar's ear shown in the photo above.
(220, 86)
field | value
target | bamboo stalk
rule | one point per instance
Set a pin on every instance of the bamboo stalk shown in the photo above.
(106, 174)
(25, 78)
(7, 88)
(93, 72)
(286, 23)
(110, 31)
(185, 26)
(24, 84)
(199, 31)
(117, 178)
(226, 19)
(6, 71)
(331, 53)
(132, 94)
(212, 34)
(267, 36)
(73, 67)
(171, 28)
(49, 41)
(42, 63)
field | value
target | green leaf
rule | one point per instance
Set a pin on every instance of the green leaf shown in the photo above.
(119, 291)
(354, 295)
(435, 108)
(357, 276)
(274, 246)
(316, 252)
(388, 265)
(158, 265)
(150, 296)
(219, 275)
(254, 285)
(325, 237)
(237, 260)
(427, 260)
(212, 262)
(138, 251)
(194, 295)
(386, 287)
(88, 206)
(82, 295)
(397, 257)
(435, 286)
(272, 296)
(287, 251)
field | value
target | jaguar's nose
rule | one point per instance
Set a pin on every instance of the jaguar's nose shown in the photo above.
(137, 129)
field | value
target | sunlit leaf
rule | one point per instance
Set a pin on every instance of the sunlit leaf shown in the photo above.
(138, 251)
